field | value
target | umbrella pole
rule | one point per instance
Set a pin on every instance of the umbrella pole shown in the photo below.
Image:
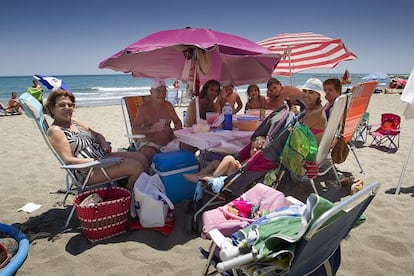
(197, 109)
(197, 103)
(397, 190)
(290, 67)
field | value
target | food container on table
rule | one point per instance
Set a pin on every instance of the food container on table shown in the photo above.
(247, 122)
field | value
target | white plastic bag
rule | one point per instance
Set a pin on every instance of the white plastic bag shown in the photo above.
(150, 203)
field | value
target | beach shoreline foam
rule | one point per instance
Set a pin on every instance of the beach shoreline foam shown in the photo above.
(383, 245)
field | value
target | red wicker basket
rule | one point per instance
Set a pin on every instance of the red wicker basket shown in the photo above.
(106, 219)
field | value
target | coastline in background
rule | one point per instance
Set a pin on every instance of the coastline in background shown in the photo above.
(102, 90)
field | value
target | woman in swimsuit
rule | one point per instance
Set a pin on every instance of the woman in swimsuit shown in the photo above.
(315, 117)
(77, 143)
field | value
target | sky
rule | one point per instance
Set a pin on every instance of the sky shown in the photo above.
(55, 37)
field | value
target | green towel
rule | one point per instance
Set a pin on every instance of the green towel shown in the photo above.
(37, 93)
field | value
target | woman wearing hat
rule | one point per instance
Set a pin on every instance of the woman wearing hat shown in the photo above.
(315, 118)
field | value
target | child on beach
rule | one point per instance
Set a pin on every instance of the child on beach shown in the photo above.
(255, 100)
(228, 95)
(228, 164)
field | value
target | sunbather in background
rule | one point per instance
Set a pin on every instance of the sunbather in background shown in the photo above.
(76, 143)
(13, 105)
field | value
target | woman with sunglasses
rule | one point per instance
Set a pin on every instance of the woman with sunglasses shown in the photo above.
(77, 143)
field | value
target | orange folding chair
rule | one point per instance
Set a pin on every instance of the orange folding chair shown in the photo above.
(130, 106)
(358, 101)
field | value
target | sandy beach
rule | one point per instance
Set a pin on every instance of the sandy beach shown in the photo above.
(383, 245)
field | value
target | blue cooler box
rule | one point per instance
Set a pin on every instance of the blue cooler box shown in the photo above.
(171, 166)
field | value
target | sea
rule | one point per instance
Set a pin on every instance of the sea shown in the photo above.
(99, 90)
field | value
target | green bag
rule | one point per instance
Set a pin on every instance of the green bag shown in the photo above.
(301, 145)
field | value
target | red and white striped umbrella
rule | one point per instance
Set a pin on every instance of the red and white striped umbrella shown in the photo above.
(304, 51)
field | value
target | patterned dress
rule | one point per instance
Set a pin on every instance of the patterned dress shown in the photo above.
(83, 145)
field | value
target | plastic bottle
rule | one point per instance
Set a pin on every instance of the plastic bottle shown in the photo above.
(262, 114)
(228, 117)
(184, 117)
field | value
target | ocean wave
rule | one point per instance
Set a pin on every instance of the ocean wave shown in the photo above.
(110, 89)
(130, 88)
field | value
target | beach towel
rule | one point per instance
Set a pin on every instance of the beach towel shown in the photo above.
(274, 236)
(36, 92)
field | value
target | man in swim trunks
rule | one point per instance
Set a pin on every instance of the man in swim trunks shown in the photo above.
(154, 119)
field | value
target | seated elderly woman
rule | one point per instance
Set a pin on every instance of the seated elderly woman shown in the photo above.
(315, 117)
(77, 143)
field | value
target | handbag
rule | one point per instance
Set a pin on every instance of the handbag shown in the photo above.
(150, 202)
(340, 151)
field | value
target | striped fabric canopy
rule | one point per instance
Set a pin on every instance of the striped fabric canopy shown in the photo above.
(304, 51)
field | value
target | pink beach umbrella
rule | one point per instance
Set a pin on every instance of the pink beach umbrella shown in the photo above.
(167, 54)
(304, 51)
(195, 55)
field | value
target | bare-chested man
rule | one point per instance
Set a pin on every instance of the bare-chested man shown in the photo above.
(277, 94)
(13, 105)
(154, 120)
(228, 95)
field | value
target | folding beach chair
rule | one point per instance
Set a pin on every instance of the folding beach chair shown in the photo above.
(33, 109)
(388, 133)
(323, 158)
(291, 245)
(361, 133)
(130, 106)
(357, 106)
